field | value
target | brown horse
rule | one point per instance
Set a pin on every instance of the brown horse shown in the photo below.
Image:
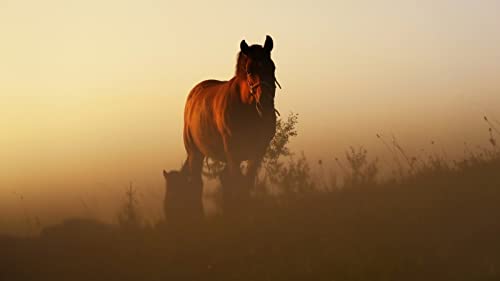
(233, 121)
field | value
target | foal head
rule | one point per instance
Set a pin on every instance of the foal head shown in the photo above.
(257, 68)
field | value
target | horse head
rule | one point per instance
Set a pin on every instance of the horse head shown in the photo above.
(257, 68)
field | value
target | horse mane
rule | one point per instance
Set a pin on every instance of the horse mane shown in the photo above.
(240, 65)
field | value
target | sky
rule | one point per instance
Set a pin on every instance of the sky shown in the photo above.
(92, 92)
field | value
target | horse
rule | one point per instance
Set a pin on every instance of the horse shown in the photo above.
(233, 121)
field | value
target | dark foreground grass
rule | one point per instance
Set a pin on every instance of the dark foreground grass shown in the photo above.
(436, 225)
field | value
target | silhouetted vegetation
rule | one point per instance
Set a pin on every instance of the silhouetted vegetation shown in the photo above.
(128, 215)
(435, 219)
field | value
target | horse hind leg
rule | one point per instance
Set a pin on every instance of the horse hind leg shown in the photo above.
(192, 170)
(193, 166)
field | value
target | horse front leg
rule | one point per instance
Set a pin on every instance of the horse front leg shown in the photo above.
(253, 167)
(231, 179)
(232, 163)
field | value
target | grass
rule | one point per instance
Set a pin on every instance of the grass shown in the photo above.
(436, 219)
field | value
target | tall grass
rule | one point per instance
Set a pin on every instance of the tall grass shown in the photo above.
(434, 219)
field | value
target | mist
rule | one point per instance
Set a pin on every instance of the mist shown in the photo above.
(385, 165)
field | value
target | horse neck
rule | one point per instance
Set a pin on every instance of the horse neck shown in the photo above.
(241, 89)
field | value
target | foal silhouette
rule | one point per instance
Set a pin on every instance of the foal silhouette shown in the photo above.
(183, 199)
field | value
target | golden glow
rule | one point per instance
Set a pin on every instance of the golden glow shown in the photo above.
(93, 91)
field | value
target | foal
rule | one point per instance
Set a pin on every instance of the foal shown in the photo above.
(183, 199)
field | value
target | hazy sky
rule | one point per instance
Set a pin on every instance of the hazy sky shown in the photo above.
(92, 92)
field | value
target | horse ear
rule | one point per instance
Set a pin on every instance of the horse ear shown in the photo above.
(244, 47)
(268, 45)
(165, 174)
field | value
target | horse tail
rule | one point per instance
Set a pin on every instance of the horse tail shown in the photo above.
(188, 142)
